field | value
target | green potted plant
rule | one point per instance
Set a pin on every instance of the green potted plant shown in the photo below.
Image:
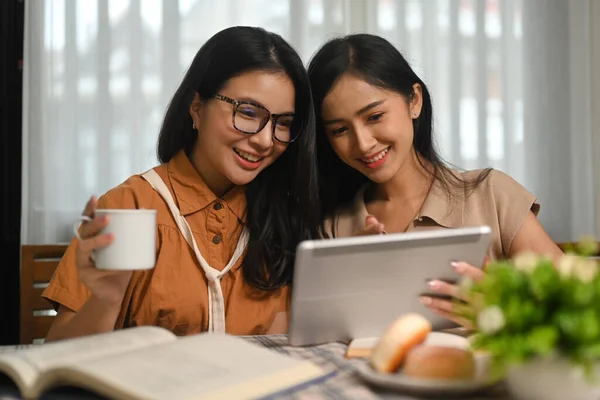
(539, 321)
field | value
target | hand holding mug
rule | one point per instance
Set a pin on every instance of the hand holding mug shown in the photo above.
(112, 243)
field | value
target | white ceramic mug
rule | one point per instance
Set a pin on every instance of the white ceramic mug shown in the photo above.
(134, 245)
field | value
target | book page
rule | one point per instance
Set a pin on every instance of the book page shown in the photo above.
(199, 366)
(11, 348)
(25, 365)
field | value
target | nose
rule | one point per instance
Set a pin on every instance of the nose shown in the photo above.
(365, 142)
(263, 140)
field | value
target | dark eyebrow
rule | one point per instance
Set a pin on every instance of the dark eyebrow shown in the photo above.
(257, 103)
(370, 106)
(249, 100)
(361, 111)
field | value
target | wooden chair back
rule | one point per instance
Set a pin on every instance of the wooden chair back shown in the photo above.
(38, 263)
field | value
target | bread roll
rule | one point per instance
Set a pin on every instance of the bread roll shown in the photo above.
(438, 362)
(403, 334)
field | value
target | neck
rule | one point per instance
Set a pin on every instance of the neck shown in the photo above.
(217, 183)
(410, 182)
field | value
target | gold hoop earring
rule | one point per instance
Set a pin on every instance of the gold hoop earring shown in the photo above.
(194, 125)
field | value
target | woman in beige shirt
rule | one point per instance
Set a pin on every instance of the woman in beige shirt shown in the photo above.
(380, 171)
(238, 165)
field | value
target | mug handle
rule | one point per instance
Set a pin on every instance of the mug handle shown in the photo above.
(76, 225)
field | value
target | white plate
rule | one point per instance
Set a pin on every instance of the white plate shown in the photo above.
(422, 386)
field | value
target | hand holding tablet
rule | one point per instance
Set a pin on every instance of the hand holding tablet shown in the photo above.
(349, 288)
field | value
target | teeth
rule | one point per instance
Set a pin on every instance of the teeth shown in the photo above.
(247, 156)
(378, 157)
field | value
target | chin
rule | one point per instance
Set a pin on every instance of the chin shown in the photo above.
(243, 178)
(379, 176)
(242, 181)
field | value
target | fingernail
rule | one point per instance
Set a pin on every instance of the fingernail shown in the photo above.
(458, 267)
(435, 285)
(425, 300)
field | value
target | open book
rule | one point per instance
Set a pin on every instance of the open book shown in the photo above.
(153, 363)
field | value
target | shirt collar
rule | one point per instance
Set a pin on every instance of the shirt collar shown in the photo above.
(193, 195)
(444, 207)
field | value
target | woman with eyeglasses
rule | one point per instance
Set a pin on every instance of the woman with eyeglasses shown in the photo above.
(380, 170)
(237, 152)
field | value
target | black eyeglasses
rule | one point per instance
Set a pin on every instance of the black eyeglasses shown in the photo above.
(251, 118)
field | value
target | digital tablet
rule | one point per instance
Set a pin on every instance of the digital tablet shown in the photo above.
(350, 288)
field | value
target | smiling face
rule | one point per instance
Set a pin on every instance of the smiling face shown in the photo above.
(225, 156)
(370, 128)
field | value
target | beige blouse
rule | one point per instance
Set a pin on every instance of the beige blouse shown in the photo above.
(499, 202)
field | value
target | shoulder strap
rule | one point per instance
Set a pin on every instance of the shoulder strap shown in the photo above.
(215, 294)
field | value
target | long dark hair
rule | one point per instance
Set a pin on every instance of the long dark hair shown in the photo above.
(282, 201)
(378, 62)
